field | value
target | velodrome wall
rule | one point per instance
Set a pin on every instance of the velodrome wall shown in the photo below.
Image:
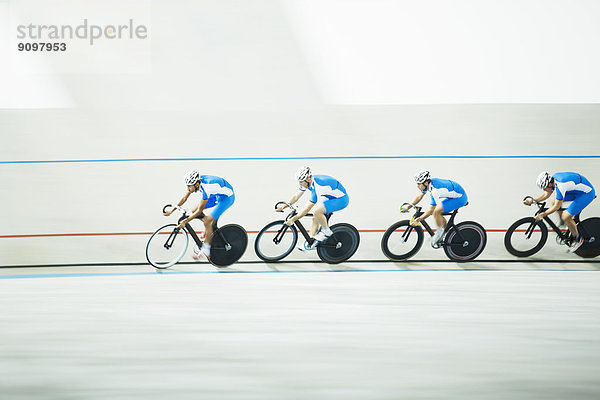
(116, 188)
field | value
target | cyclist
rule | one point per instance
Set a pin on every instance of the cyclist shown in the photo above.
(569, 186)
(446, 196)
(217, 197)
(327, 193)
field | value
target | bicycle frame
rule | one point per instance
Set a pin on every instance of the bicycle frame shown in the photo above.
(449, 225)
(564, 236)
(192, 232)
(300, 227)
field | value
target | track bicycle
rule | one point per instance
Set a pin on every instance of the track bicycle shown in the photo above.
(461, 242)
(168, 244)
(277, 240)
(527, 236)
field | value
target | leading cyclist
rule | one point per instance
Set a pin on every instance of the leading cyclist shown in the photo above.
(569, 186)
(446, 196)
(327, 193)
(217, 196)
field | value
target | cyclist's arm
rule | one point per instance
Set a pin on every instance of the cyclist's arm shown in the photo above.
(426, 214)
(292, 200)
(544, 196)
(179, 203)
(416, 200)
(196, 213)
(199, 209)
(557, 204)
(302, 213)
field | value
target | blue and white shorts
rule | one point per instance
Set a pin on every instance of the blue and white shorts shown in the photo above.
(215, 208)
(336, 204)
(454, 204)
(579, 201)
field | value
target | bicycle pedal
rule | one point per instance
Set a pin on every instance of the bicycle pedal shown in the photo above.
(309, 247)
(560, 241)
(200, 257)
(304, 248)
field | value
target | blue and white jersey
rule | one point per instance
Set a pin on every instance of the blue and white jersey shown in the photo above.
(213, 187)
(323, 188)
(441, 189)
(570, 184)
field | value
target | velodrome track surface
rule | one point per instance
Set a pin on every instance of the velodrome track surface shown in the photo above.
(486, 330)
(494, 328)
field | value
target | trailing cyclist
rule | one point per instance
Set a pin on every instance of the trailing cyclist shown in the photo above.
(446, 196)
(217, 197)
(327, 193)
(569, 186)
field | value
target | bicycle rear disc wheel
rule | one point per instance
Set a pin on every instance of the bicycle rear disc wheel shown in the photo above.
(590, 229)
(525, 237)
(228, 245)
(341, 245)
(275, 241)
(401, 241)
(465, 241)
(166, 246)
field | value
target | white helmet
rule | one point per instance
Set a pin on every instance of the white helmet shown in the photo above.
(192, 177)
(422, 176)
(303, 173)
(543, 180)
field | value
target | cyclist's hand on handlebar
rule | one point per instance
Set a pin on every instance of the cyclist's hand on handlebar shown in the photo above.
(539, 216)
(279, 208)
(290, 221)
(182, 224)
(528, 201)
(415, 221)
(404, 208)
(168, 210)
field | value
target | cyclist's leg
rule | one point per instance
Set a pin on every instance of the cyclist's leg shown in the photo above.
(450, 205)
(328, 207)
(440, 221)
(559, 211)
(319, 219)
(447, 205)
(579, 203)
(568, 199)
(438, 216)
(213, 214)
(331, 206)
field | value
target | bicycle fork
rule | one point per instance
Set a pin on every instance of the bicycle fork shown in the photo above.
(529, 230)
(169, 242)
(404, 237)
(277, 239)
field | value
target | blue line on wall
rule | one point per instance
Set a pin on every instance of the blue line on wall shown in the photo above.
(296, 158)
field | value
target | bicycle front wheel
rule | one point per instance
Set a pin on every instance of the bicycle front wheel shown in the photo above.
(275, 241)
(590, 230)
(465, 241)
(401, 241)
(228, 245)
(341, 245)
(525, 237)
(166, 246)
